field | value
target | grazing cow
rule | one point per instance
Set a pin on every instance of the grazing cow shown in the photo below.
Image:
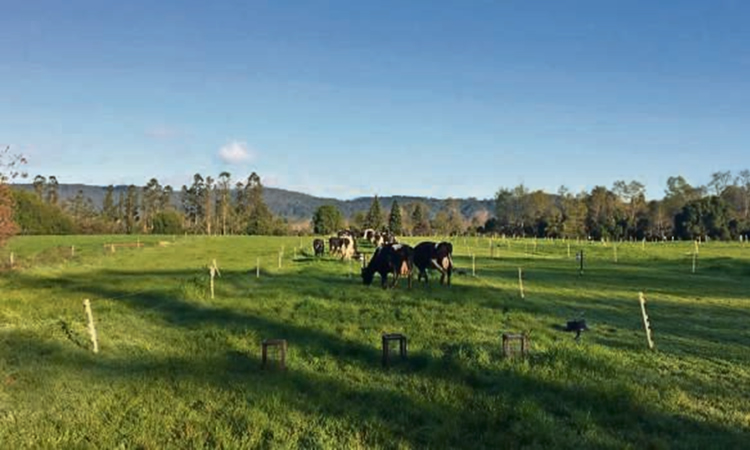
(319, 247)
(368, 234)
(348, 247)
(395, 259)
(334, 245)
(429, 255)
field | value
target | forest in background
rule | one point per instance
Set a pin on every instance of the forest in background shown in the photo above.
(718, 210)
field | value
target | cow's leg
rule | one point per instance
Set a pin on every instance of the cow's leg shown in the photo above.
(440, 269)
(395, 279)
(384, 280)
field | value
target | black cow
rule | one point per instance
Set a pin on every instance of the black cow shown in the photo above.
(394, 259)
(319, 247)
(429, 255)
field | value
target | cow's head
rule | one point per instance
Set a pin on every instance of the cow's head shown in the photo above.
(367, 276)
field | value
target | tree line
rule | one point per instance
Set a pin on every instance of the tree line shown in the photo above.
(718, 210)
(413, 219)
(207, 206)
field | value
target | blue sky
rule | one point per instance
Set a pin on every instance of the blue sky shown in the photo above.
(351, 98)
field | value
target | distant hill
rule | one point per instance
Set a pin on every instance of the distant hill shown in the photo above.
(296, 205)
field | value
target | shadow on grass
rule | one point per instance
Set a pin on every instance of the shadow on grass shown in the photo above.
(709, 327)
(509, 409)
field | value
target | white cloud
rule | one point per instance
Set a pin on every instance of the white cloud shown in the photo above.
(236, 152)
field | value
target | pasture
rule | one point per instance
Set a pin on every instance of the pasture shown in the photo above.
(177, 369)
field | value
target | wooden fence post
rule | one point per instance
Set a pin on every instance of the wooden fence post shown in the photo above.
(12, 260)
(520, 282)
(213, 271)
(473, 265)
(646, 323)
(91, 327)
(72, 251)
(257, 267)
(695, 260)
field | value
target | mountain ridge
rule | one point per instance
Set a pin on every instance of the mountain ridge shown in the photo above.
(295, 205)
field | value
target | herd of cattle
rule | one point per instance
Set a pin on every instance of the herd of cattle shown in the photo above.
(391, 257)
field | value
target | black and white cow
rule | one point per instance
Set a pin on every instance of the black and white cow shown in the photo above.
(378, 238)
(397, 260)
(319, 247)
(429, 255)
(346, 246)
(368, 234)
(334, 245)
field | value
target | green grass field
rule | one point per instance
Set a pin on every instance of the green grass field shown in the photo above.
(179, 370)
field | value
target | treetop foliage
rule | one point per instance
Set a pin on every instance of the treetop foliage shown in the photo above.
(719, 210)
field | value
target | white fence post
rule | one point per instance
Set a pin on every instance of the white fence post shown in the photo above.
(91, 327)
(646, 323)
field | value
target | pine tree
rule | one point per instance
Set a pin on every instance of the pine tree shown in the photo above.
(240, 208)
(259, 217)
(421, 226)
(121, 211)
(109, 210)
(131, 209)
(193, 202)
(209, 204)
(150, 203)
(374, 218)
(394, 219)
